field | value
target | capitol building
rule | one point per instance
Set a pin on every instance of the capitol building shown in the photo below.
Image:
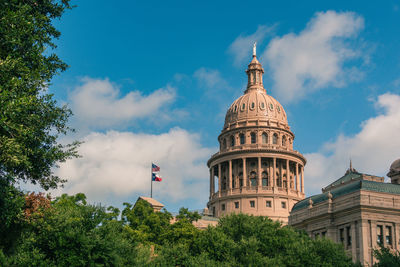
(256, 171)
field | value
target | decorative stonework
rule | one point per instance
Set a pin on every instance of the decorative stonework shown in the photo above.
(256, 170)
(357, 210)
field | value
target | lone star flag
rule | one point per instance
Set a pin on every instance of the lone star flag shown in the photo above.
(156, 177)
(155, 168)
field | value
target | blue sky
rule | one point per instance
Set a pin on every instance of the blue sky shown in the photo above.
(151, 81)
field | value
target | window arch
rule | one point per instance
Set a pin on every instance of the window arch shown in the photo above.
(275, 139)
(284, 140)
(264, 138)
(242, 139)
(253, 178)
(264, 176)
(253, 138)
(232, 140)
(224, 143)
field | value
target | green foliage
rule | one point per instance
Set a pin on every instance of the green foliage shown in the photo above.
(73, 233)
(184, 213)
(242, 240)
(143, 224)
(386, 258)
(30, 119)
(12, 203)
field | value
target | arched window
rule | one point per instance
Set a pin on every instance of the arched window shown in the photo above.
(241, 136)
(284, 140)
(253, 138)
(264, 176)
(253, 178)
(224, 144)
(232, 140)
(264, 138)
(275, 139)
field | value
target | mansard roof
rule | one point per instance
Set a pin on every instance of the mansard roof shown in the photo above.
(351, 187)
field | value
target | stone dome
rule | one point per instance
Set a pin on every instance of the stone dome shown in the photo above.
(255, 105)
(256, 170)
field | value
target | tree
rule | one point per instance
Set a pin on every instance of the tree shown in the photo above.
(386, 257)
(74, 233)
(144, 224)
(30, 119)
(184, 213)
(12, 204)
(243, 240)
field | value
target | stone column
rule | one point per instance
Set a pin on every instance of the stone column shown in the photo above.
(302, 178)
(244, 173)
(287, 174)
(281, 173)
(259, 183)
(230, 175)
(273, 172)
(353, 242)
(219, 179)
(396, 235)
(211, 183)
(297, 177)
(364, 246)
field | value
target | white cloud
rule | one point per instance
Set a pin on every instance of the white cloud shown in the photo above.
(117, 164)
(372, 150)
(99, 103)
(241, 47)
(210, 78)
(315, 58)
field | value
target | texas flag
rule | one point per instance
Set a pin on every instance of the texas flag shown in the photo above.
(155, 168)
(156, 177)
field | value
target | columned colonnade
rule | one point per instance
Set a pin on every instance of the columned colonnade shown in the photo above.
(253, 172)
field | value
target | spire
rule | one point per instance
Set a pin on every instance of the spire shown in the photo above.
(351, 169)
(254, 73)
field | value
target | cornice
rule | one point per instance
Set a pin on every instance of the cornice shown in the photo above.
(243, 152)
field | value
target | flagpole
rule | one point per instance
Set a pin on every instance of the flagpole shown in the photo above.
(151, 180)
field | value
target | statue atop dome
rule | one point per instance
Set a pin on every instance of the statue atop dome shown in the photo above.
(254, 49)
(394, 172)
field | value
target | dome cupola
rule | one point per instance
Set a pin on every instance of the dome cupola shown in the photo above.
(256, 171)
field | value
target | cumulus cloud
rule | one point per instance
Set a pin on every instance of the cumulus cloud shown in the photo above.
(315, 58)
(117, 164)
(241, 47)
(210, 78)
(372, 150)
(99, 103)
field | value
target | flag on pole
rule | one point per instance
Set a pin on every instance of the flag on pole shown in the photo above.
(156, 177)
(155, 168)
